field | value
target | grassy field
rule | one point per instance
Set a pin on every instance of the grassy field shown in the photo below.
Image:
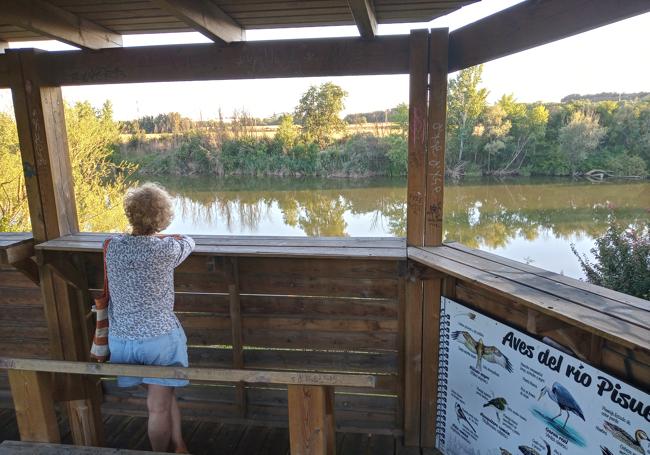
(261, 131)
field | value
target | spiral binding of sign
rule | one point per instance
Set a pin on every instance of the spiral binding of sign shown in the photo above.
(443, 370)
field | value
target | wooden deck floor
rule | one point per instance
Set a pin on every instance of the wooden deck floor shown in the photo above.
(205, 438)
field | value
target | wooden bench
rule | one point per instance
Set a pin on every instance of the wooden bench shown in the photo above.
(17, 250)
(311, 411)
(40, 448)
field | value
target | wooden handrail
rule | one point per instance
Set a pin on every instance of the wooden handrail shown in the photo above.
(195, 374)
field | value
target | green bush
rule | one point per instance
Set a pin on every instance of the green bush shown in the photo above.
(368, 155)
(192, 157)
(626, 165)
(331, 161)
(622, 260)
(303, 158)
(397, 154)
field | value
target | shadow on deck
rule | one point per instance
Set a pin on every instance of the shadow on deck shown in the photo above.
(203, 438)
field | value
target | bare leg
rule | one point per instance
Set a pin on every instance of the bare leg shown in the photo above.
(177, 435)
(159, 403)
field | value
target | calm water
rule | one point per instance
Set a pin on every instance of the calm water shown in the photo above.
(530, 220)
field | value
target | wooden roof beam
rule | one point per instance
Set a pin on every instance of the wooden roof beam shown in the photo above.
(206, 18)
(46, 19)
(320, 57)
(364, 16)
(533, 23)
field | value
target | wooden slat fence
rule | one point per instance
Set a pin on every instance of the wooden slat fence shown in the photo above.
(323, 305)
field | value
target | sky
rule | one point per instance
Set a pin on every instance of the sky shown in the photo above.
(610, 59)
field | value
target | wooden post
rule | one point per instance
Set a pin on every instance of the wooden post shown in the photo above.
(419, 50)
(3, 45)
(433, 229)
(32, 395)
(237, 337)
(311, 420)
(436, 136)
(48, 180)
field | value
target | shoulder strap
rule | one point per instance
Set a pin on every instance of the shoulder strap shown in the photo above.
(104, 250)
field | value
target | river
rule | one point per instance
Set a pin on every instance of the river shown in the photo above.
(530, 220)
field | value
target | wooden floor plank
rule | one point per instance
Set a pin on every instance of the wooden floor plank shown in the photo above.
(8, 425)
(203, 438)
(64, 429)
(134, 435)
(112, 432)
(207, 438)
(401, 450)
(381, 445)
(252, 440)
(354, 444)
(276, 443)
(188, 428)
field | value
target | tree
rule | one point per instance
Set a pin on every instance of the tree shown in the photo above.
(400, 115)
(318, 113)
(528, 125)
(622, 259)
(14, 214)
(287, 132)
(466, 102)
(99, 183)
(580, 136)
(494, 129)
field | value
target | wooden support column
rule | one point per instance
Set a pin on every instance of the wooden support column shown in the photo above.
(48, 180)
(32, 395)
(419, 51)
(237, 337)
(311, 420)
(433, 231)
(3, 45)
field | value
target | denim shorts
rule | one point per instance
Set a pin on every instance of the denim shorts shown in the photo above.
(169, 349)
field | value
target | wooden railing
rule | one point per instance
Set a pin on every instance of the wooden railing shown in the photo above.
(328, 305)
(336, 306)
(605, 328)
(310, 396)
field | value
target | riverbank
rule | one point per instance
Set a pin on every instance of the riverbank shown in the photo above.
(358, 156)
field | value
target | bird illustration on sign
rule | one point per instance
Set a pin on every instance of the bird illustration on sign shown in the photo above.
(635, 442)
(490, 354)
(460, 414)
(530, 451)
(564, 400)
(561, 396)
(499, 403)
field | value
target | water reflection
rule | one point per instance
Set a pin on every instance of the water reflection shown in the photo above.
(479, 213)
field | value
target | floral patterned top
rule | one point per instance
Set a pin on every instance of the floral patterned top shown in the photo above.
(141, 284)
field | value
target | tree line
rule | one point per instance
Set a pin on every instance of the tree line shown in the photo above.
(606, 134)
(573, 137)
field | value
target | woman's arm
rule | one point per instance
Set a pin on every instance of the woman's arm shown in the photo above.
(180, 247)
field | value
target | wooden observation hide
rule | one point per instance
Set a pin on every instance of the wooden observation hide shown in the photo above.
(330, 305)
